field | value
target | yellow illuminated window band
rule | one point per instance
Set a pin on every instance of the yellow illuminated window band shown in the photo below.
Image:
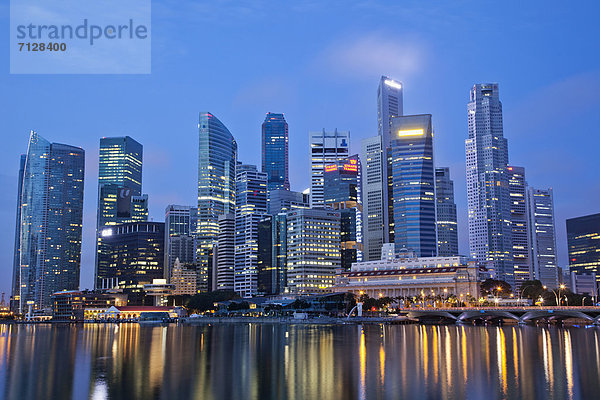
(411, 132)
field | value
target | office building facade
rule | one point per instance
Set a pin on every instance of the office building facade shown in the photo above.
(488, 194)
(543, 237)
(519, 218)
(342, 192)
(226, 252)
(217, 156)
(413, 185)
(583, 238)
(446, 221)
(251, 208)
(272, 254)
(132, 256)
(50, 211)
(180, 243)
(275, 152)
(281, 200)
(313, 250)
(325, 148)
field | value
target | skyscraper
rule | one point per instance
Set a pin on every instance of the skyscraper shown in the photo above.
(226, 252)
(521, 246)
(325, 148)
(446, 222)
(313, 250)
(543, 237)
(342, 192)
(281, 200)
(413, 185)
(275, 156)
(377, 183)
(272, 254)
(180, 228)
(488, 198)
(217, 154)
(583, 237)
(389, 105)
(51, 214)
(251, 208)
(375, 197)
(16, 284)
(120, 198)
(132, 256)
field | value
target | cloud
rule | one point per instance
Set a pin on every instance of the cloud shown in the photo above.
(373, 54)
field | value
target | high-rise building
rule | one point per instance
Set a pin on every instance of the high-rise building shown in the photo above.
(180, 228)
(282, 200)
(120, 198)
(447, 225)
(251, 208)
(132, 256)
(272, 254)
(375, 197)
(543, 237)
(488, 197)
(16, 284)
(325, 148)
(275, 154)
(389, 105)
(50, 208)
(583, 238)
(184, 279)
(217, 157)
(377, 181)
(521, 246)
(119, 178)
(226, 252)
(413, 185)
(342, 192)
(313, 250)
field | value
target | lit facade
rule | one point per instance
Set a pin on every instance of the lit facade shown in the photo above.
(543, 236)
(132, 256)
(375, 197)
(180, 228)
(342, 192)
(519, 216)
(120, 198)
(183, 279)
(251, 207)
(413, 185)
(583, 237)
(217, 155)
(281, 200)
(325, 148)
(51, 213)
(272, 254)
(488, 197)
(226, 252)
(275, 152)
(313, 250)
(446, 222)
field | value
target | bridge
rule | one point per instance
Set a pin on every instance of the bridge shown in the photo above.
(495, 314)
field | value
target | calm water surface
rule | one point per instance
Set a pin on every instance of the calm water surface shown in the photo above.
(252, 361)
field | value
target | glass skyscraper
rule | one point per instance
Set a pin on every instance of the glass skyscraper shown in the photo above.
(446, 222)
(180, 228)
(413, 185)
(521, 246)
(120, 198)
(275, 155)
(488, 197)
(377, 182)
(217, 154)
(325, 148)
(251, 208)
(583, 237)
(51, 214)
(543, 237)
(342, 192)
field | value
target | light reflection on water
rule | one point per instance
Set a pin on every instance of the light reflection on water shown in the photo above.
(251, 361)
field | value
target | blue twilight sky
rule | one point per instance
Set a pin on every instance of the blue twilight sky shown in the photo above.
(319, 62)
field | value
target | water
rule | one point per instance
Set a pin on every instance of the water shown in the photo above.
(254, 361)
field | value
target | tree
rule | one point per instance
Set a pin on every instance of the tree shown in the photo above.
(532, 289)
(495, 287)
(206, 301)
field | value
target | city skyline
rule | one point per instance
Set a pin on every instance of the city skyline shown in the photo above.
(165, 158)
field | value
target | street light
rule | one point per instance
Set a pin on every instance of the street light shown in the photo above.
(523, 291)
